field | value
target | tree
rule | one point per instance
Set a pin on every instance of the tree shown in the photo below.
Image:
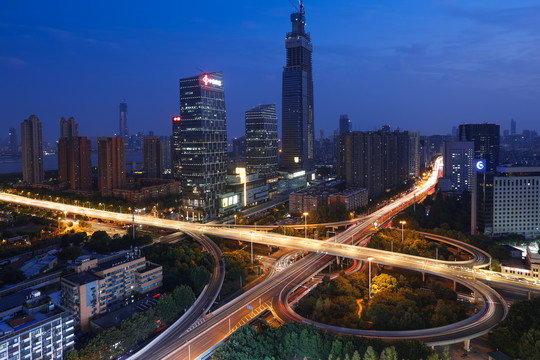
(383, 282)
(389, 353)
(529, 345)
(371, 354)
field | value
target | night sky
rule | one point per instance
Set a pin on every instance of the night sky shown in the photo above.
(417, 65)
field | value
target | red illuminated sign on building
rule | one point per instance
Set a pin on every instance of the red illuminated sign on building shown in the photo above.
(176, 118)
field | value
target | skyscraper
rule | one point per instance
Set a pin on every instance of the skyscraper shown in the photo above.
(13, 142)
(111, 164)
(166, 152)
(344, 124)
(486, 142)
(152, 161)
(298, 131)
(203, 150)
(414, 154)
(261, 141)
(123, 123)
(513, 127)
(32, 150)
(69, 128)
(176, 147)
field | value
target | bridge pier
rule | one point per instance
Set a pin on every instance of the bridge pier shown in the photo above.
(455, 285)
(528, 295)
(423, 277)
(475, 297)
(467, 345)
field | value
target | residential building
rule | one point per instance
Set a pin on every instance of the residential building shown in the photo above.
(111, 164)
(262, 142)
(75, 162)
(414, 154)
(344, 124)
(203, 136)
(375, 160)
(32, 150)
(152, 159)
(68, 128)
(166, 158)
(99, 285)
(298, 126)
(37, 336)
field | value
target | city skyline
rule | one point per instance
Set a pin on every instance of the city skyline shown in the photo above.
(389, 71)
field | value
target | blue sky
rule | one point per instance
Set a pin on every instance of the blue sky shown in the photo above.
(417, 65)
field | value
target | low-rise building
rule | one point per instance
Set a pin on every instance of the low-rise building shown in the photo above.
(100, 285)
(351, 198)
(327, 194)
(530, 267)
(37, 336)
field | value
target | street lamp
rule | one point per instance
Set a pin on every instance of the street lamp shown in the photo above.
(305, 227)
(235, 216)
(251, 237)
(369, 260)
(402, 222)
(59, 223)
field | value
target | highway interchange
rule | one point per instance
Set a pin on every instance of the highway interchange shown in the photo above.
(191, 342)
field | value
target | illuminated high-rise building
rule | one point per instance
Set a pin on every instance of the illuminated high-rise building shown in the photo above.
(298, 129)
(203, 145)
(344, 124)
(262, 141)
(123, 120)
(74, 157)
(69, 128)
(32, 150)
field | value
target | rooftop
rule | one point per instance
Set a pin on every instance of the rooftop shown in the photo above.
(82, 278)
(14, 300)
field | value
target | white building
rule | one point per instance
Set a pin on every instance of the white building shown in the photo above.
(516, 199)
(37, 336)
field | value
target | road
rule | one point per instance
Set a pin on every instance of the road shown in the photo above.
(267, 292)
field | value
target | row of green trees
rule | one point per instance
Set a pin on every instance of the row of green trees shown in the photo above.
(297, 341)
(115, 342)
(413, 244)
(397, 303)
(519, 334)
(184, 263)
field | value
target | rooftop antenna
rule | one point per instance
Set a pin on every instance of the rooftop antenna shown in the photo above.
(201, 70)
(296, 7)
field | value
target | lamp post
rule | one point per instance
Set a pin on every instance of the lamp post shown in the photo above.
(305, 226)
(235, 219)
(402, 222)
(369, 260)
(251, 237)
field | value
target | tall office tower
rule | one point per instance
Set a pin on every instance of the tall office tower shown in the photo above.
(458, 165)
(152, 161)
(176, 147)
(513, 127)
(486, 142)
(344, 124)
(375, 160)
(13, 142)
(32, 150)
(75, 162)
(123, 120)
(111, 164)
(385, 128)
(203, 153)
(69, 128)
(261, 141)
(297, 98)
(165, 152)
(414, 154)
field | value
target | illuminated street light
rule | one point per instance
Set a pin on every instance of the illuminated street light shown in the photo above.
(402, 222)
(305, 226)
(369, 260)
(235, 219)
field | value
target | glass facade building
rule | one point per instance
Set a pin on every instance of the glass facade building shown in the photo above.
(261, 141)
(297, 98)
(203, 145)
